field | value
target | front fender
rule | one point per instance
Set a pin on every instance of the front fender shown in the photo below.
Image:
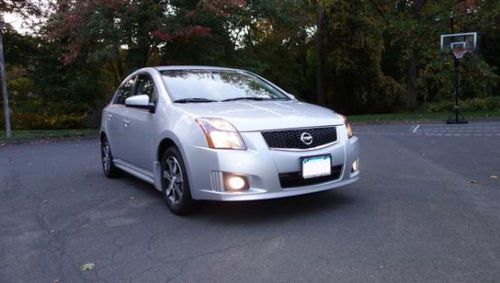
(185, 134)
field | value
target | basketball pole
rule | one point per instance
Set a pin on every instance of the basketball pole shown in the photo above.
(457, 70)
(459, 117)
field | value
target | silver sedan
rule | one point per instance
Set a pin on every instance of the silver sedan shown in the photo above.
(209, 133)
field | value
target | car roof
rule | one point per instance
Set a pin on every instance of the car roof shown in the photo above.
(193, 67)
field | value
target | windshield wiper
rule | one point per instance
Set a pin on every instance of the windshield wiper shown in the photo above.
(194, 100)
(246, 98)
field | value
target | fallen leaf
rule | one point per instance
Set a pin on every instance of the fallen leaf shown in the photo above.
(494, 177)
(87, 266)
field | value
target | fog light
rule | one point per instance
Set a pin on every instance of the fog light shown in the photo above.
(235, 182)
(355, 165)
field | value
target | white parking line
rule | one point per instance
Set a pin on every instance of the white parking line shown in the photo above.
(416, 128)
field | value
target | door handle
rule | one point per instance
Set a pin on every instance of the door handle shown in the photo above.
(126, 123)
(110, 116)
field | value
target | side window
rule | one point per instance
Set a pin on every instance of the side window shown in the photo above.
(124, 91)
(145, 85)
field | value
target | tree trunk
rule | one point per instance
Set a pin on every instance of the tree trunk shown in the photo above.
(411, 84)
(116, 77)
(119, 67)
(411, 78)
(320, 72)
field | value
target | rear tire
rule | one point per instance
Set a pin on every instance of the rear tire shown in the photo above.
(108, 166)
(174, 182)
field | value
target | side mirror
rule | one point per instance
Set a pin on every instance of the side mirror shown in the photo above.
(140, 101)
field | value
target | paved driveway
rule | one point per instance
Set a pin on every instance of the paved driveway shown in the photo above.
(426, 209)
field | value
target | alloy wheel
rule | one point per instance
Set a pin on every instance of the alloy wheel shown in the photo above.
(174, 180)
(106, 155)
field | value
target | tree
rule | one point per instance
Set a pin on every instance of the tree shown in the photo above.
(275, 38)
(127, 35)
(354, 48)
(354, 56)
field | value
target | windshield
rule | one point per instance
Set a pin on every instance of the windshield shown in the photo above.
(217, 85)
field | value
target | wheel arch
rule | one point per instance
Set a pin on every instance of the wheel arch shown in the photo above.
(163, 145)
(167, 141)
(102, 135)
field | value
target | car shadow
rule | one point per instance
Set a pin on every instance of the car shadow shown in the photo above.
(275, 210)
(249, 212)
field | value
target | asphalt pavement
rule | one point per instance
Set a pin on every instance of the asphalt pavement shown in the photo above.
(427, 209)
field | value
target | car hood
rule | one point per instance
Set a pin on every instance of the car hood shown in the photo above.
(265, 115)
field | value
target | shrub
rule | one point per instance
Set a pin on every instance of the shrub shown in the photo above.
(28, 121)
(389, 95)
(491, 103)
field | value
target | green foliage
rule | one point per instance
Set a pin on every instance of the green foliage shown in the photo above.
(31, 120)
(36, 135)
(389, 96)
(491, 103)
(477, 79)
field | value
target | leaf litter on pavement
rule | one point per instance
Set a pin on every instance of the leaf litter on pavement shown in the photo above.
(87, 266)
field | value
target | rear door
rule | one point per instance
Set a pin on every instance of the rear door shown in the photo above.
(140, 125)
(115, 115)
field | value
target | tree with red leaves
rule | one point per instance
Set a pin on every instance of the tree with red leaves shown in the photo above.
(128, 33)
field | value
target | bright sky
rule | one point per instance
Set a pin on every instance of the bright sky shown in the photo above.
(19, 24)
(15, 21)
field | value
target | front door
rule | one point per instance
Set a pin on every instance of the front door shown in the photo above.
(115, 115)
(140, 126)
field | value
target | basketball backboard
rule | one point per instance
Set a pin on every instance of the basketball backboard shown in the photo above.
(458, 44)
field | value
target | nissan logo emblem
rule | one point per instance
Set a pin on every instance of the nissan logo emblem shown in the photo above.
(306, 138)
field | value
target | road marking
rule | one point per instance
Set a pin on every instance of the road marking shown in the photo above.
(490, 130)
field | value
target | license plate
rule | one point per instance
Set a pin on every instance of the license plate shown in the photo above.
(316, 166)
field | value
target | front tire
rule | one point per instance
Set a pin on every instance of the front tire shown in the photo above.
(108, 166)
(174, 182)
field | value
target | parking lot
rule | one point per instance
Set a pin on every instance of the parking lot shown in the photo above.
(427, 208)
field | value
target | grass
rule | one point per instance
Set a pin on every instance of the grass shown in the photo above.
(30, 135)
(418, 116)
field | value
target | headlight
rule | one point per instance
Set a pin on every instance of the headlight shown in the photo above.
(221, 134)
(347, 125)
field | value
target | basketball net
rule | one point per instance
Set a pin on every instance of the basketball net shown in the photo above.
(459, 52)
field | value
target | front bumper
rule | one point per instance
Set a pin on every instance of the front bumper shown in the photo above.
(262, 168)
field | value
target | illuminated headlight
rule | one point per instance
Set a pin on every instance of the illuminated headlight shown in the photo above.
(235, 182)
(221, 134)
(347, 125)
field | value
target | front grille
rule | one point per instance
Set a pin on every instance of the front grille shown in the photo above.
(294, 179)
(291, 139)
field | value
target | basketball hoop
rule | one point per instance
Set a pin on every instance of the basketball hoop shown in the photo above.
(459, 52)
(457, 44)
